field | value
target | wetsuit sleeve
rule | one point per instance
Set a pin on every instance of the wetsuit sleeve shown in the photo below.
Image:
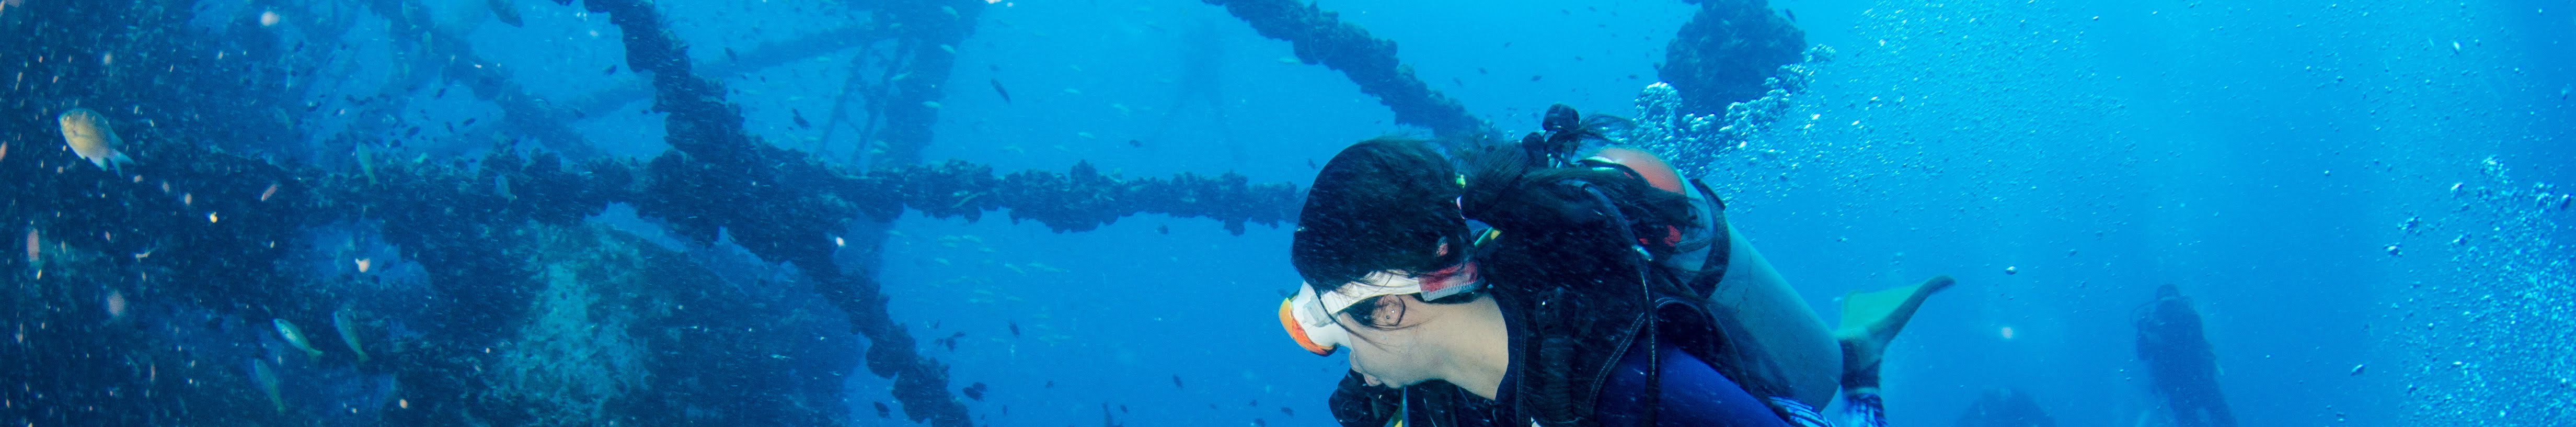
(1693, 395)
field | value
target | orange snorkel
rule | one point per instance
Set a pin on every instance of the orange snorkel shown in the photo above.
(1288, 320)
(1310, 324)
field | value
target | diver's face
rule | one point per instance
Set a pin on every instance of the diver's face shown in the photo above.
(1394, 352)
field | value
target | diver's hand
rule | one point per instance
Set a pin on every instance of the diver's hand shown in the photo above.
(1357, 403)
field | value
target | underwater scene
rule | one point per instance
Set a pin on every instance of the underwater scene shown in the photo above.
(1131, 213)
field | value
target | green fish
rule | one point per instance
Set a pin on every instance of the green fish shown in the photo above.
(348, 326)
(295, 337)
(367, 163)
(268, 383)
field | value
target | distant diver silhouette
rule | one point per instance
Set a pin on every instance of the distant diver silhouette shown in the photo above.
(2180, 364)
(1202, 78)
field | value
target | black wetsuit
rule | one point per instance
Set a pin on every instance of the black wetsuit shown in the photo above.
(2180, 364)
(1691, 394)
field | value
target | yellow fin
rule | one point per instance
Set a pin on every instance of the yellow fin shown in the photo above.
(1863, 308)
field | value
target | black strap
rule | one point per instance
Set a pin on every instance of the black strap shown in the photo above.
(1654, 373)
(1646, 294)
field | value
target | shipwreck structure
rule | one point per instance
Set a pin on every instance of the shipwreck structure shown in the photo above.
(211, 239)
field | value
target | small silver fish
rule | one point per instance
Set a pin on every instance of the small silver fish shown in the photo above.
(348, 325)
(267, 378)
(295, 337)
(92, 138)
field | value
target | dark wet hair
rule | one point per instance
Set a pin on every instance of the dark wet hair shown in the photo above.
(1382, 204)
(1385, 204)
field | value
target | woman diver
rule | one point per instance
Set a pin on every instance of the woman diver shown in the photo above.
(1561, 292)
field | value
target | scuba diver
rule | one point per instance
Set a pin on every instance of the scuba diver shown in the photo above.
(1202, 56)
(1546, 289)
(2180, 365)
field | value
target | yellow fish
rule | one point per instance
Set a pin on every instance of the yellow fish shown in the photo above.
(92, 138)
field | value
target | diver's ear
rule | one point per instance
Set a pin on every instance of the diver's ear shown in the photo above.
(1389, 312)
(1403, 305)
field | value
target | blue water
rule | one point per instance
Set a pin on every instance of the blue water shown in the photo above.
(2359, 197)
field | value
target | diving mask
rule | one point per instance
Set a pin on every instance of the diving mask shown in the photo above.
(1308, 316)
